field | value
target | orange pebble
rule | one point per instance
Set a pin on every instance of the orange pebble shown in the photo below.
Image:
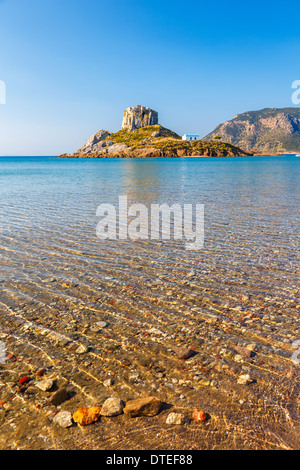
(86, 416)
(200, 416)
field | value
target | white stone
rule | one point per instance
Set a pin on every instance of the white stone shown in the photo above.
(244, 379)
(44, 385)
(63, 419)
(82, 349)
(175, 418)
(102, 324)
(113, 406)
(108, 382)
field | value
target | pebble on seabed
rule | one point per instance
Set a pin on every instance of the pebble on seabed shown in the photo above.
(63, 419)
(113, 406)
(175, 418)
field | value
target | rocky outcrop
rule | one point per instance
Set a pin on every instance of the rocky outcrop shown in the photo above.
(134, 118)
(268, 130)
(139, 116)
(115, 148)
(96, 142)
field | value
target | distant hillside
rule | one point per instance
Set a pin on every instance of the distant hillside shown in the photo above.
(268, 130)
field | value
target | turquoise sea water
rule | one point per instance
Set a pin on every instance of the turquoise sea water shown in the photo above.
(49, 205)
(57, 279)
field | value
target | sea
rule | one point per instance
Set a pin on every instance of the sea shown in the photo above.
(86, 309)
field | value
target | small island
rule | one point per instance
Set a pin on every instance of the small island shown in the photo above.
(142, 136)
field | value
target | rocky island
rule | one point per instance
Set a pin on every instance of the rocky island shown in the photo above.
(142, 136)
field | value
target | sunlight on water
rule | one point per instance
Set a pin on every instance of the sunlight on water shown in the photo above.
(57, 278)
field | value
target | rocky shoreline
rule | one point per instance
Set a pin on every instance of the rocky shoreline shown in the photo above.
(156, 153)
(96, 375)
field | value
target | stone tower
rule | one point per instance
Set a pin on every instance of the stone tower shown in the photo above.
(139, 116)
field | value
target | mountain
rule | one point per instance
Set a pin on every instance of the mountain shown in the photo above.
(268, 130)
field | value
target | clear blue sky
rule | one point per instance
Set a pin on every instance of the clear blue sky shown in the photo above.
(71, 67)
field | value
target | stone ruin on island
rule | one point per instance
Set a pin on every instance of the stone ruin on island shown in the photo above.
(139, 116)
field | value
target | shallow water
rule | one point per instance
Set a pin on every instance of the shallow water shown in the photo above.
(48, 214)
(245, 278)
